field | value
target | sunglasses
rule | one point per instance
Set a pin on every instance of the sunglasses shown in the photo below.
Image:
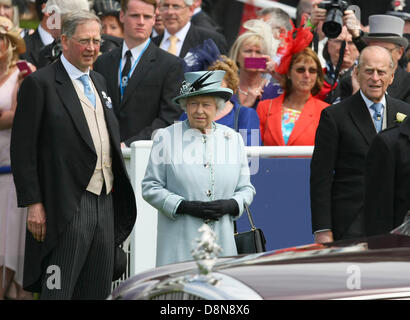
(303, 70)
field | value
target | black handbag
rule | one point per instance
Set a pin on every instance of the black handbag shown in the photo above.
(252, 241)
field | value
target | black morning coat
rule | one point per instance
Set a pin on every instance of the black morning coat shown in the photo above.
(343, 138)
(53, 159)
(387, 180)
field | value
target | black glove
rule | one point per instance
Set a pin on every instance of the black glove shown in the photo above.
(229, 206)
(209, 210)
(198, 209)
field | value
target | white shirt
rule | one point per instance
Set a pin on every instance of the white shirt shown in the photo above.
(73, 72)
(45, 36)
(181, 35)
(135, 53)
(369, 103)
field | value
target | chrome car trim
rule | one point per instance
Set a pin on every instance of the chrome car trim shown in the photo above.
(382, 294)
(198, 287)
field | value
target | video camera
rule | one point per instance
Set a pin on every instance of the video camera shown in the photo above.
(333, 24)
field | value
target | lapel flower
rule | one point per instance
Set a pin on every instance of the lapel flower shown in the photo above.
(107, 100)
(400, 117)
(227, 135)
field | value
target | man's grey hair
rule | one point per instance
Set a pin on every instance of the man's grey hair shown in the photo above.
(360, 60)
(277, 18)
(187, 2)
(73, 19)
(220, 103)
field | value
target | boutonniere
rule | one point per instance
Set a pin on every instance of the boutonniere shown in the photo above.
(107, 100)
(400, 117)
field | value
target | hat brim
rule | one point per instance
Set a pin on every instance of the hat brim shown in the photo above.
(223, 93)
(401, 41)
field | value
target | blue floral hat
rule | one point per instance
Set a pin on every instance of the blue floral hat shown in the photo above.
(203, 83)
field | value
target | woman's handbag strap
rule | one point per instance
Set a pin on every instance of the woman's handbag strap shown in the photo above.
(248, 212)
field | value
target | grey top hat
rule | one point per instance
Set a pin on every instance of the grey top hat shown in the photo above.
(203, 83)
(386, 28)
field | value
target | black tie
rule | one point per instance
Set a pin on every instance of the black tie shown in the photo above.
(126, 69)
(127, 66)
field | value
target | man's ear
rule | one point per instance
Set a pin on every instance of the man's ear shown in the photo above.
(392, 78)
(401, 52)
(356, 70)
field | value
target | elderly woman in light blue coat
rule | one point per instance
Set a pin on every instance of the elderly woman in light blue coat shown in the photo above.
(197, 172)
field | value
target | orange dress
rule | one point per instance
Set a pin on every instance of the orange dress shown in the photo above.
(303, 133)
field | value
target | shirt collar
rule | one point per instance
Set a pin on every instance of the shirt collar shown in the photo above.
(369, 103)
(136, 51)
(181, 34)
(45, 36)
(73, 72)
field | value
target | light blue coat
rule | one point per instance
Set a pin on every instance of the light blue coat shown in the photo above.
(187, 165)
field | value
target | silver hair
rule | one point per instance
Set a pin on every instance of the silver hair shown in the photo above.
(187, 2)
(73, 19)
(220, 103)
(277, 18)
(360, 60)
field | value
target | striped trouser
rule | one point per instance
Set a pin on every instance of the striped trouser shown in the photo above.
(81, 265)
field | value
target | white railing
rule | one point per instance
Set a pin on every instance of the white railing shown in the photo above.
(143, 239)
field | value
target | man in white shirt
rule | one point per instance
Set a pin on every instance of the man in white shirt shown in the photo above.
(343, 138)
(69, 171)
(43, 35)
(141, 78)
(180, 34)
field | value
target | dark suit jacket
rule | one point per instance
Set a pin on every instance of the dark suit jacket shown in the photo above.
(202, 19)
(387, 180)
(343, 137)
(53, 159)
(33, 47)
(147, 104)
(195, 37)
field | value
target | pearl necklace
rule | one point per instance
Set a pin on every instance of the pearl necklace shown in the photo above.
(243, 92)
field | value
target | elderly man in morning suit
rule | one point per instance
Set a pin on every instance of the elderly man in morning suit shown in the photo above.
(142, 79)
(69, 171)
(180, 34)
(343, 137)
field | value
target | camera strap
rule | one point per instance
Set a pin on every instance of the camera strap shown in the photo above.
(340, 61)
(337, 70)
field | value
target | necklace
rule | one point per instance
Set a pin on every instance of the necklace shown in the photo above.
(243, 92)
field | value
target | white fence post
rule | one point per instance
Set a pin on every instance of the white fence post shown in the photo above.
(144, 235)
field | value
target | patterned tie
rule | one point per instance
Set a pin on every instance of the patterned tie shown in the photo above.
(88, 91)
(173, 45)
(126, 69)
(377, 116)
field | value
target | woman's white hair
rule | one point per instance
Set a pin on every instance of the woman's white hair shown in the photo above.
(220, 103)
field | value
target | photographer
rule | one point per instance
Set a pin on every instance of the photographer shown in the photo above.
(341, 48)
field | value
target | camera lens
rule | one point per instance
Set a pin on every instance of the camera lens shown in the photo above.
(332, 26)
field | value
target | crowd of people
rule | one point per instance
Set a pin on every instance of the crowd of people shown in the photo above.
(95, 76)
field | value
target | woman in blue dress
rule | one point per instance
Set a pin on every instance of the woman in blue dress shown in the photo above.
(197, 172)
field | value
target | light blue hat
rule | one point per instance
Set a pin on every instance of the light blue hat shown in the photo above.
(204, 83)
